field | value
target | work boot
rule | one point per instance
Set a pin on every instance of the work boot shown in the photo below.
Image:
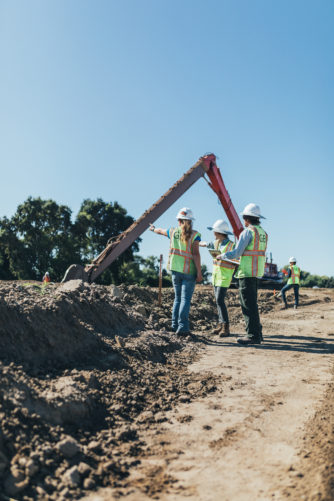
(217, 329)
(180, 332)
(225, 330)
(284, 307)
(246, 341)
(295, 306)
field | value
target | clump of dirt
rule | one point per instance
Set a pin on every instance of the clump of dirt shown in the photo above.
(84, 368)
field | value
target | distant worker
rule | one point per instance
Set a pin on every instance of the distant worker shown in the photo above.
(222, 273)
(46, 278)
(293, 281)
(185, 264)
(251, 248)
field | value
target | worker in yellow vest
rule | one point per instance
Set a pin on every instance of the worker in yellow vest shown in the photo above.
(185, 264)
(293, 281)
(222, 273)
(251, 249)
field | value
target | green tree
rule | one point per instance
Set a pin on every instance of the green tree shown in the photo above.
(205, 274)
(38, 238)
(97, 223)
(145, 272)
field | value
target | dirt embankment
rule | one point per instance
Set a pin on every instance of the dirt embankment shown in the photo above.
(87, 373)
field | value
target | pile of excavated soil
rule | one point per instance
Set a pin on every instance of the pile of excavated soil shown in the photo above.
(84, 368)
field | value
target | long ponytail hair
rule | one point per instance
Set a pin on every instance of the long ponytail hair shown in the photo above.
(186, 229)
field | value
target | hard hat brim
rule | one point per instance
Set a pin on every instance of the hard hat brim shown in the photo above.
(251, 215)
(211, 228)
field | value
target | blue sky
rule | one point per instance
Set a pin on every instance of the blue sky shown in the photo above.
(118, 99)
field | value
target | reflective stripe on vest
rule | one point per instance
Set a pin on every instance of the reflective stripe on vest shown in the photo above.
(295, 275)
(181, 259)
(218, 262)
(253, 258)
(222, 272)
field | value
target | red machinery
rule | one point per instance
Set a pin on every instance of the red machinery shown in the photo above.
(206, 165)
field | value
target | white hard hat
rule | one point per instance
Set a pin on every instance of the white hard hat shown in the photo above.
(292, 260)
(252, 210)
(220, 226)
(185, 213)
(47, 273)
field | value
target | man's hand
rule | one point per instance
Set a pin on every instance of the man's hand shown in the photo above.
(199, 277)
(220, 256)
(152, 227)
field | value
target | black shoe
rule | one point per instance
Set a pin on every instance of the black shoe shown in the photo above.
(245, 341)
(182, 333)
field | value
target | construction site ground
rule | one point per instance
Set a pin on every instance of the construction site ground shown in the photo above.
(100, 401)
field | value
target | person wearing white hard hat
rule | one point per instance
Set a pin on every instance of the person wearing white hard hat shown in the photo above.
(185, 264)
(293, 281)
(222, 273)
(251, 249)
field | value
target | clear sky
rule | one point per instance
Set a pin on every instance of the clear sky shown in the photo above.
(117, 99)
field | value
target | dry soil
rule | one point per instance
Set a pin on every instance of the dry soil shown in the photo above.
(100, 401)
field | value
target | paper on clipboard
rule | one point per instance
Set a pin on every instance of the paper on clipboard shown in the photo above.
(214, 253)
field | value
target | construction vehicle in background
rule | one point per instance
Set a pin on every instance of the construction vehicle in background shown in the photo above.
(206, 167)
(272, 278)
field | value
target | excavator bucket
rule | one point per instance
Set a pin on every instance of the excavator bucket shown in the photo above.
(75, 272)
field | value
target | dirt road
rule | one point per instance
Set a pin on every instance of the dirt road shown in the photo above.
(99, 401)
(251, 439)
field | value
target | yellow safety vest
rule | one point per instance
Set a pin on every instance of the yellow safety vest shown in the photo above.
(180, 253)
(254, 256)
(295, 275)
(222, 272)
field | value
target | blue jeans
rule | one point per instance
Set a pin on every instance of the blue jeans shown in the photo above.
(295, 290)
(184, 286)
(220, 293)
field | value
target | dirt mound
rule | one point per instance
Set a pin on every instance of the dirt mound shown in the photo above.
(59, 325)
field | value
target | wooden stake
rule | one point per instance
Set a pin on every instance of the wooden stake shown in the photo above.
(160, 280)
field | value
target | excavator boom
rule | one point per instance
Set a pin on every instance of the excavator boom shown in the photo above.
(205, 165)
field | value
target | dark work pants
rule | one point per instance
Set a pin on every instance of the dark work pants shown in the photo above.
(220, 293)
(248, 301)
(295, 289)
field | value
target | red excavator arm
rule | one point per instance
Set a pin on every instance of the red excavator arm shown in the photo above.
(116, 246)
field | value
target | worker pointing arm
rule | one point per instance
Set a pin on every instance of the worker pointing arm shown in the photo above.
(185, 265)
(158, 231)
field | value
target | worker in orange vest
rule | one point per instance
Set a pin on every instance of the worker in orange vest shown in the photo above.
(46, 278)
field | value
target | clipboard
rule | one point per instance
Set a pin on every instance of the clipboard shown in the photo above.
(236, 262)
(214, 252)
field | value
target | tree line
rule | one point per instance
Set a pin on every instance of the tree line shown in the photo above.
(42, 236)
